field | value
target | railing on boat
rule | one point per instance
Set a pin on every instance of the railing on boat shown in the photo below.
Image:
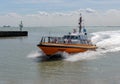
(63, 40)
(52, 39)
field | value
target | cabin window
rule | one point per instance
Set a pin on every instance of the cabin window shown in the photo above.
(66, 37)
(70, 37)
(74, 37)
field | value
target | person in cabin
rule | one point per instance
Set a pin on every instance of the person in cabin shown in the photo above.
(74, 31)
(84, 31)
(69, 40)
(54, 40)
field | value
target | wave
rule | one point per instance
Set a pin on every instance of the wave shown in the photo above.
(106, 41)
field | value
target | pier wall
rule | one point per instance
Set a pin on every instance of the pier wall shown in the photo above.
(13, 33)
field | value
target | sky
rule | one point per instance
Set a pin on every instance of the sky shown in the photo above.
(60, 12)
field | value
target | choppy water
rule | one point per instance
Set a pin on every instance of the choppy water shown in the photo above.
(17, 54)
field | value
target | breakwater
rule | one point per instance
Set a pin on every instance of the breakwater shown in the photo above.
(13, 33)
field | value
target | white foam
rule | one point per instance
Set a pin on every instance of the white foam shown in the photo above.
(106, 41)
(35, 54)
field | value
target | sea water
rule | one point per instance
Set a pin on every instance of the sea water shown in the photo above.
(18, 54)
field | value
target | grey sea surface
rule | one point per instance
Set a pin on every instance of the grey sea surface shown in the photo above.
(18, 54)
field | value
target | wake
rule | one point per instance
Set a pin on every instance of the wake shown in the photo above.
(106, 41)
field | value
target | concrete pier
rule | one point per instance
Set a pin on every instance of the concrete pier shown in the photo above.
(13, 33)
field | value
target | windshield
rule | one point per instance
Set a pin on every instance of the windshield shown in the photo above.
(70, 37)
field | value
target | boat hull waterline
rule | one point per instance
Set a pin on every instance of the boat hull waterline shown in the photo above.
(52, 48)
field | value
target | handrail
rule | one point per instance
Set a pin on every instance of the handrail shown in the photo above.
(49, 39)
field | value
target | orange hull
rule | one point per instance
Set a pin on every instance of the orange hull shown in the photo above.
(52, 48)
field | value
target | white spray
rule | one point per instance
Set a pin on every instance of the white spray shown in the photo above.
(106, 41)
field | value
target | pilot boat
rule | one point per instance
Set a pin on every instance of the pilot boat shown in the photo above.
(71, 43)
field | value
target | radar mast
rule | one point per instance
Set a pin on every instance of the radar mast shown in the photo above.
(80, 23)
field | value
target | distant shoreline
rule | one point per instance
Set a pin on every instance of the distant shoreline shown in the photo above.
(53, 26)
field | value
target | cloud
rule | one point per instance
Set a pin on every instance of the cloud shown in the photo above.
(42, 13)
(113, 11)
(12, 19)
(36, 1)
(89, 10)
(106, 1)
(91, 17)
(14, 15)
